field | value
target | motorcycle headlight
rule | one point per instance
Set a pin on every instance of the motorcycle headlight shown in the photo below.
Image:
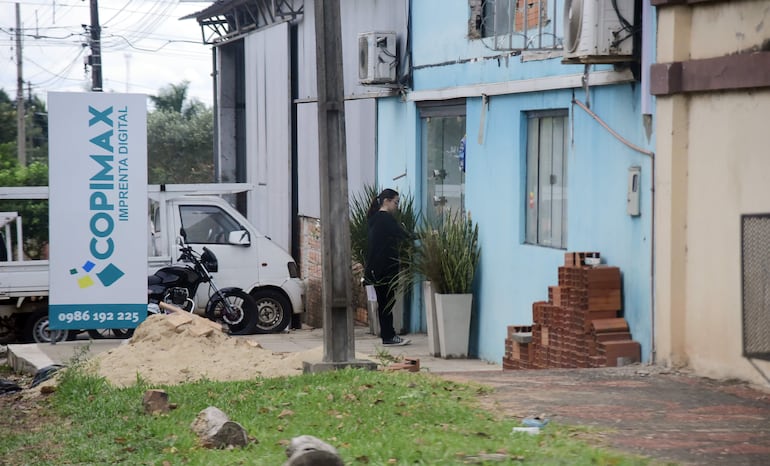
(210, 261)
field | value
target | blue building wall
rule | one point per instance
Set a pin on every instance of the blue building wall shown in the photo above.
(513, 275)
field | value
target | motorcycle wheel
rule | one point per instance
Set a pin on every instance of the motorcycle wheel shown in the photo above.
(36, 329)
(238, 314)
(273, 311)
(101, 333)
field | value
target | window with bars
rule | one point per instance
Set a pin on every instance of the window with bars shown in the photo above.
(513, 24)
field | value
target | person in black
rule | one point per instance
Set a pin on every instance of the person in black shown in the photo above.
(385, 236)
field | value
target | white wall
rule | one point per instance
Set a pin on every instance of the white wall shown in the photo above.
(360, 142)
(268, 125)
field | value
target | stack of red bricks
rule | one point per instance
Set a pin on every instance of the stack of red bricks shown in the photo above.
(517, 346)
(579, 325)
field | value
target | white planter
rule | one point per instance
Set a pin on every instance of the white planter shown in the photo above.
(430, 315)
(398, 314)
(374, 318)
(371, 307)
(453, 313)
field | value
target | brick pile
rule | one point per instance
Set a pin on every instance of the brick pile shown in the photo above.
(580, 324)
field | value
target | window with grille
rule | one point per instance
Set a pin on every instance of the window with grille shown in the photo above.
(514, 24)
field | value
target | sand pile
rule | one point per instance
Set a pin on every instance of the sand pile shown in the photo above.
(182, 347)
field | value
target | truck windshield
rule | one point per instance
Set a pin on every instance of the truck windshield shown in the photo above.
(206, 224)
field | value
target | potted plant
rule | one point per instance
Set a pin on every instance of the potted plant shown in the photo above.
(447, 256)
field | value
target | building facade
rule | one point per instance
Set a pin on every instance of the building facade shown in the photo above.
(537, 150)
(712, 87)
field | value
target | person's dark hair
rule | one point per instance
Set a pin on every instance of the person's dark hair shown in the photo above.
(377, 201)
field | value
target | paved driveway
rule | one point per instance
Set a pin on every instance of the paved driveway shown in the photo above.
(667, 415)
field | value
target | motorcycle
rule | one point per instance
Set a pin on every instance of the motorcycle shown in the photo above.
(178, 284)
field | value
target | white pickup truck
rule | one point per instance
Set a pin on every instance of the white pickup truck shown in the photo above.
(259, 266)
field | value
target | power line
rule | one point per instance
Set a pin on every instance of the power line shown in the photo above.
(134, 26)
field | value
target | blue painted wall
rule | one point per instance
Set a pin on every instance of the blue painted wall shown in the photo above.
(513, 275)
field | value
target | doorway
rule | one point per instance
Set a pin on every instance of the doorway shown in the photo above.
(442, 147)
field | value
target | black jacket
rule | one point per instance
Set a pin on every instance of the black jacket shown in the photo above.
(384, 239)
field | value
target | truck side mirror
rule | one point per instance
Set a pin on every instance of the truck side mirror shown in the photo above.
(239, 237)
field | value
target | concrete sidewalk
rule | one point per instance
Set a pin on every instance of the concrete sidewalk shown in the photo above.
(28, 358)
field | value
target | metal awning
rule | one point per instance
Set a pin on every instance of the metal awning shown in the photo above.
(226, 20)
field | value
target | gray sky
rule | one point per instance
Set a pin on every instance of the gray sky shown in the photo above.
(144, 46)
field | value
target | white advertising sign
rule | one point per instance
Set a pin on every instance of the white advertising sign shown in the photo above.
(97, 210)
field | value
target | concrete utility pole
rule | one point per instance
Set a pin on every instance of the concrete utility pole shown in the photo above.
(339, 338)
(96, 48)
(21, 134)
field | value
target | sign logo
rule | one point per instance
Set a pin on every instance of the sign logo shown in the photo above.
(107, 276)
(104, 190)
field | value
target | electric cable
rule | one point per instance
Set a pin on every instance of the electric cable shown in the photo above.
(133, 25)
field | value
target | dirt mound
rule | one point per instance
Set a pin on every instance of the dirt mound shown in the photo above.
(182, 347)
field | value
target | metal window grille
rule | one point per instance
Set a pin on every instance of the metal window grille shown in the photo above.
(515, 24)
(755, 271)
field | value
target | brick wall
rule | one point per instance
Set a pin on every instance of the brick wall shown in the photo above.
(310, 263)
(532, 9)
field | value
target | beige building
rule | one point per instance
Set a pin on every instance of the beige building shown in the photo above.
(712, 187)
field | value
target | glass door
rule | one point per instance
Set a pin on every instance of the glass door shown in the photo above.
(443, 157)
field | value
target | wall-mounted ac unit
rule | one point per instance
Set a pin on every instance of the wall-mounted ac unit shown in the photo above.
(598, 31)
(377, 60)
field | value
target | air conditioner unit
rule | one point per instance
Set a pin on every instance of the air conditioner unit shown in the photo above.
(377, 60)
(598, 31)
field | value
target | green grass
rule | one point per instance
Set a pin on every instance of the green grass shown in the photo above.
(372, 418)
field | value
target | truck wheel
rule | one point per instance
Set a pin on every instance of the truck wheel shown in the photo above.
(36, 329)
(273, 311)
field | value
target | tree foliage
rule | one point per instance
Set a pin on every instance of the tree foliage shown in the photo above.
(180, 149)
(7, 119)
(34, 213)
(35, 128)
(171, 98)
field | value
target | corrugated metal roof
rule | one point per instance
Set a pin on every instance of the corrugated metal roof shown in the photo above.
(219, 7)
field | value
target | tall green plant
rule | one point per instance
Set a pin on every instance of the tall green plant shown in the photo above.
(359, 228)
(407, 216)
(447, 254)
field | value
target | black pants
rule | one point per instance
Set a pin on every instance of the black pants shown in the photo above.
(385, 298)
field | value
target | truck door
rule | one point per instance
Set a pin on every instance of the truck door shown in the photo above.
(210, 226)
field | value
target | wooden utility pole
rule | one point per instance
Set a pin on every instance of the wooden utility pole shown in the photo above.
(96, 48)
(339, 338)
(21, 133)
